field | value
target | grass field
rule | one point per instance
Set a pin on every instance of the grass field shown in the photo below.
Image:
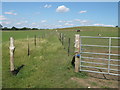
(49, 65)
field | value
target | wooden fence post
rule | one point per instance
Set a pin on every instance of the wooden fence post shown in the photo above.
(12, 49)
(28, 46)
(35, 40)
(62, 39)
(77, 52)
(68, 46)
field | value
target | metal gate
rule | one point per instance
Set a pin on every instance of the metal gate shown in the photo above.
(97, 62)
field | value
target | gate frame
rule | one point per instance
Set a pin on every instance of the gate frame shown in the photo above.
(108, 54)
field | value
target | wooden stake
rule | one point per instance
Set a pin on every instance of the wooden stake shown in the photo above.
(62, 39)
(68, 46)
(28, 46)
(77, 52)
(35, 40)
(12, 49)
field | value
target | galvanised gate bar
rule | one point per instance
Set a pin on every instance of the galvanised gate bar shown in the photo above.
(108, 65)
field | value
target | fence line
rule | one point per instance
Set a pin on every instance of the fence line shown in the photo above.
(66, 42)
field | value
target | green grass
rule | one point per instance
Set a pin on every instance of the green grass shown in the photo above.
(23, 34)
(94, 83)
(48, 65)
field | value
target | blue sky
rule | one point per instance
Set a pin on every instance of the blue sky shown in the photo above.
(59, 14)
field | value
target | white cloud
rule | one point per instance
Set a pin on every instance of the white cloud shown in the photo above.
(68, 24)
(78, 20)
(43, 21)
(98, 24)
(82, 11)
(109, 25)
(75, 22)
(103, 25)
(60, 21)
(81, 21)
(7, 22)
(2, 17)
(47, 6)
(19, 23)
(62, 9)
(22, 22)
(10, 13)
(84, 21)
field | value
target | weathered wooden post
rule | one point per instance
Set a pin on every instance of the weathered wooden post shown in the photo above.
(35, 40)
(68, 46)
(12, 49)
(62, 39)
(28, 47)
(77, 52)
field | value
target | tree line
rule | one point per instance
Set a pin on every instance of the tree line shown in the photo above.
(15, 28)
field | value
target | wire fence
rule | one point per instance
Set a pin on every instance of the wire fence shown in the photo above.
(67, 40)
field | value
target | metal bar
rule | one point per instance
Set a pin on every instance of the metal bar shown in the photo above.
(99, 37)
(95, 58)
(93, 63)
(93, 45)
(101, 72)
(114, 69)
(114, 60)
(109, 55)
(100, 58)
(115, 46)
(93, 67)
(115, 65)
(99, 53)
(100, 46)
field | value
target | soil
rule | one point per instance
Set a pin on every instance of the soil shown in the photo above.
(98, 81)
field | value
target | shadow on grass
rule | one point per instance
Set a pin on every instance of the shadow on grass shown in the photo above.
(105, 77)
(15, 72)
